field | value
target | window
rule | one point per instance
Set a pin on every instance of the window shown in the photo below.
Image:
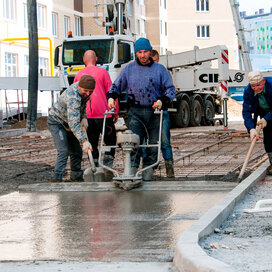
(54, 24)
(143, 26)
(66, 26)
(73, 51)
(78, 26)
(43, 66)
(137, 26)
(165, 28)
(165, 4)
(26, 60)
(25, 15)
(202, 5)
(9, 9)
(41, 18)
(125, 52)
(10, 65)
(203, 31)
(161, 26)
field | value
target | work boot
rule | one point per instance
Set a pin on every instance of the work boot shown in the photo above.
(108, 161)
(55, 180)
(269, 169)
(75, 180)
(169, 168)
(147, 174)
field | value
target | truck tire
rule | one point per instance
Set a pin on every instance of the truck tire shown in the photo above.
(196, 113)
(182, 117)
(208, 118)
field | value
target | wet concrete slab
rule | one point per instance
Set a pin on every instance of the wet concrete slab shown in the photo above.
(199, 185)
(134, 226)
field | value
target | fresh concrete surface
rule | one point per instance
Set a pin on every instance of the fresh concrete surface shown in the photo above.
(50, 266)
(146, 186)
(189, 256)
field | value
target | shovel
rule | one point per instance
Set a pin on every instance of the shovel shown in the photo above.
(93, 173)
(248, 155)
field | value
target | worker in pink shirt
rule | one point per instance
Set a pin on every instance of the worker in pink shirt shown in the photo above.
(96, 107)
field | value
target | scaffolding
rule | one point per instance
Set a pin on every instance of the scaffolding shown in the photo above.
(19, 105)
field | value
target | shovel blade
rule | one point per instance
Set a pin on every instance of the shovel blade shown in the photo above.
(88, 175)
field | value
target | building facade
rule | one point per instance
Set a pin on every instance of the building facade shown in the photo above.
(178, 26)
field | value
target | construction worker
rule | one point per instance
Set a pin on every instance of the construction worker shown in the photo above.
(96, 107)
(258, 101)
(65, 121)
(166, 147)
(147, 83)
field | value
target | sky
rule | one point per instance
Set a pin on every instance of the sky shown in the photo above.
(250, 6)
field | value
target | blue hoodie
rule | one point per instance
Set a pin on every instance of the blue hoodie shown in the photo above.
(145, 83)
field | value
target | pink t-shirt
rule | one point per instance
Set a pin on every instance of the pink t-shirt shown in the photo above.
(98, 104)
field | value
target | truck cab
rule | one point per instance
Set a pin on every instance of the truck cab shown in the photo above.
(113, 52)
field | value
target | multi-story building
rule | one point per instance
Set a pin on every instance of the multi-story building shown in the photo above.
(258, 33)
(54, 19)
(178, 26)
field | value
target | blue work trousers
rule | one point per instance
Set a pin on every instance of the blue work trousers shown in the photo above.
(143, 122)
(166, 147)
(67, 145)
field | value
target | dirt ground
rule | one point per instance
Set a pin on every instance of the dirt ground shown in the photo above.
(15, 173)
(41, 123)
(244, 241)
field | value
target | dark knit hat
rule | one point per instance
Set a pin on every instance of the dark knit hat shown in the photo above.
(142, 44)
(87, 82)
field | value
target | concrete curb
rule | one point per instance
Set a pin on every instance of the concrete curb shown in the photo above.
(189, 256)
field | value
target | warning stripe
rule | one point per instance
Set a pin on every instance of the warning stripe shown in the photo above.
(224, 85)
(225, 57)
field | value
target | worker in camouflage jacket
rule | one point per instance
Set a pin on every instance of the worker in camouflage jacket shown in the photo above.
(67, 122)
(258, 103)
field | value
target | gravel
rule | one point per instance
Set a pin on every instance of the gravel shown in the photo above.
(244, 241)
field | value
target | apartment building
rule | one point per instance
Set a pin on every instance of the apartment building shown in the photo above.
(178, 26)
(55, 19)
(258, 33)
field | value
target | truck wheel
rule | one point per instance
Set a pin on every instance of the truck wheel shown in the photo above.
(208, 118)
(182, 117)
(196, 113)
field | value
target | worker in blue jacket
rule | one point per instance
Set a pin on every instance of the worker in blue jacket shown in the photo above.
(147, 82)
(258, 102)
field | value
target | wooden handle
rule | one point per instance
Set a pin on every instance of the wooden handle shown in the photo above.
(249, 154)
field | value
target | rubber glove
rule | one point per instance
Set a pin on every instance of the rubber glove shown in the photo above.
(253, 133)
(111, 103)
(157, 104)
(84, 124)
(262, 123)
(86, 146)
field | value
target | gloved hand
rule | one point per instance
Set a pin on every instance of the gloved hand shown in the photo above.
(111, 103)
(157, 104)
(86, 146)
(253, 133)
(84, 124)
(262, 123)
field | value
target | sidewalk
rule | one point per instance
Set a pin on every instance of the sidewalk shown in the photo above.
(189, 256)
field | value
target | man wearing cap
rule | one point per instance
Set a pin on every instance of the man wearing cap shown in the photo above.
(147, 83)
(258, 101)
(65, 121)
